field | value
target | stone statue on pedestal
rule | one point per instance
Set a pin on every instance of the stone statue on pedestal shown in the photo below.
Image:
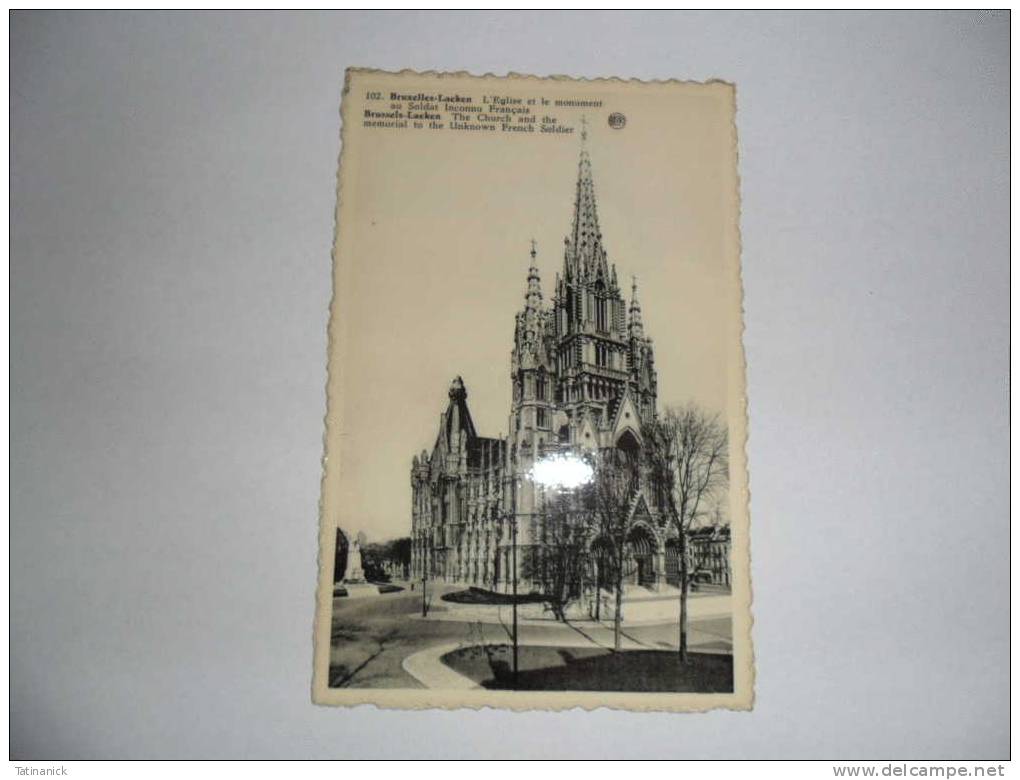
(355, 568)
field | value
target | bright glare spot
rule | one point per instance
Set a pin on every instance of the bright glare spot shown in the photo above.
(561, 471)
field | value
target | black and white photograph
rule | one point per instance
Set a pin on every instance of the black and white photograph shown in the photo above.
(537, 490)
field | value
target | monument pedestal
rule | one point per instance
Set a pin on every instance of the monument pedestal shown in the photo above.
(354, 571)
(354, 574)
(359, 590)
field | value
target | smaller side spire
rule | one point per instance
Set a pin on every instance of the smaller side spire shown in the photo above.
(533, 299)
(636, 326)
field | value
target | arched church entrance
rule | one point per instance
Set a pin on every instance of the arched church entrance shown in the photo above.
(628, 443)
(641, 547)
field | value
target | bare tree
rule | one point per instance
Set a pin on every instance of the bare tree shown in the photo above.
(613, 488)
(687, 454)
(559, 566)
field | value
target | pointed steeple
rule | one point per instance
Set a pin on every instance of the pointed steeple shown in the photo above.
(635, 327)
(530, 322)
(533, 298)
(585, 255)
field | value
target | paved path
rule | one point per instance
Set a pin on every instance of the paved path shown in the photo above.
(427, 668)
(651, 612)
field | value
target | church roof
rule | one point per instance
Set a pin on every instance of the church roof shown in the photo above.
(456, 419)
(484, 448)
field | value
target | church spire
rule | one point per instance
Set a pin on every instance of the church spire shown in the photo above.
(585, 254)
(531, 321)
(636, 326)
(533, 299)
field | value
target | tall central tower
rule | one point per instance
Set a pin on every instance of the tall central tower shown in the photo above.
(573, 364)
(590, 319)
(582, 371)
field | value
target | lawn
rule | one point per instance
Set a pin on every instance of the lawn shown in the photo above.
(479, 596)
(593, 669)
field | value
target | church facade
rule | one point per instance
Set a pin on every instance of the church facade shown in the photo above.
(583, 378)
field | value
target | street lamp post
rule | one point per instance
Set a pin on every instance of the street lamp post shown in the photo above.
(424, 577)
(513, 542)
(511, 517)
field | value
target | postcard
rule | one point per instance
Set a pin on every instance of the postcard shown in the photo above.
(535, 490)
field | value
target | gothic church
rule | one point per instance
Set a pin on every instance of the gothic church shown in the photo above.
(583, 377)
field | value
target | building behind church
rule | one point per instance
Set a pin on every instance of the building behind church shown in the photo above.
(583, 378)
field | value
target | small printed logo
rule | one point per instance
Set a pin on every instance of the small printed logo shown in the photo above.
(617, 120)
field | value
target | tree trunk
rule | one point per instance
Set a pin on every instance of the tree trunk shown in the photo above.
(618, 617)
(683, 596)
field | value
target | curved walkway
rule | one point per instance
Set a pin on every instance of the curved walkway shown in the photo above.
(427, 667)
